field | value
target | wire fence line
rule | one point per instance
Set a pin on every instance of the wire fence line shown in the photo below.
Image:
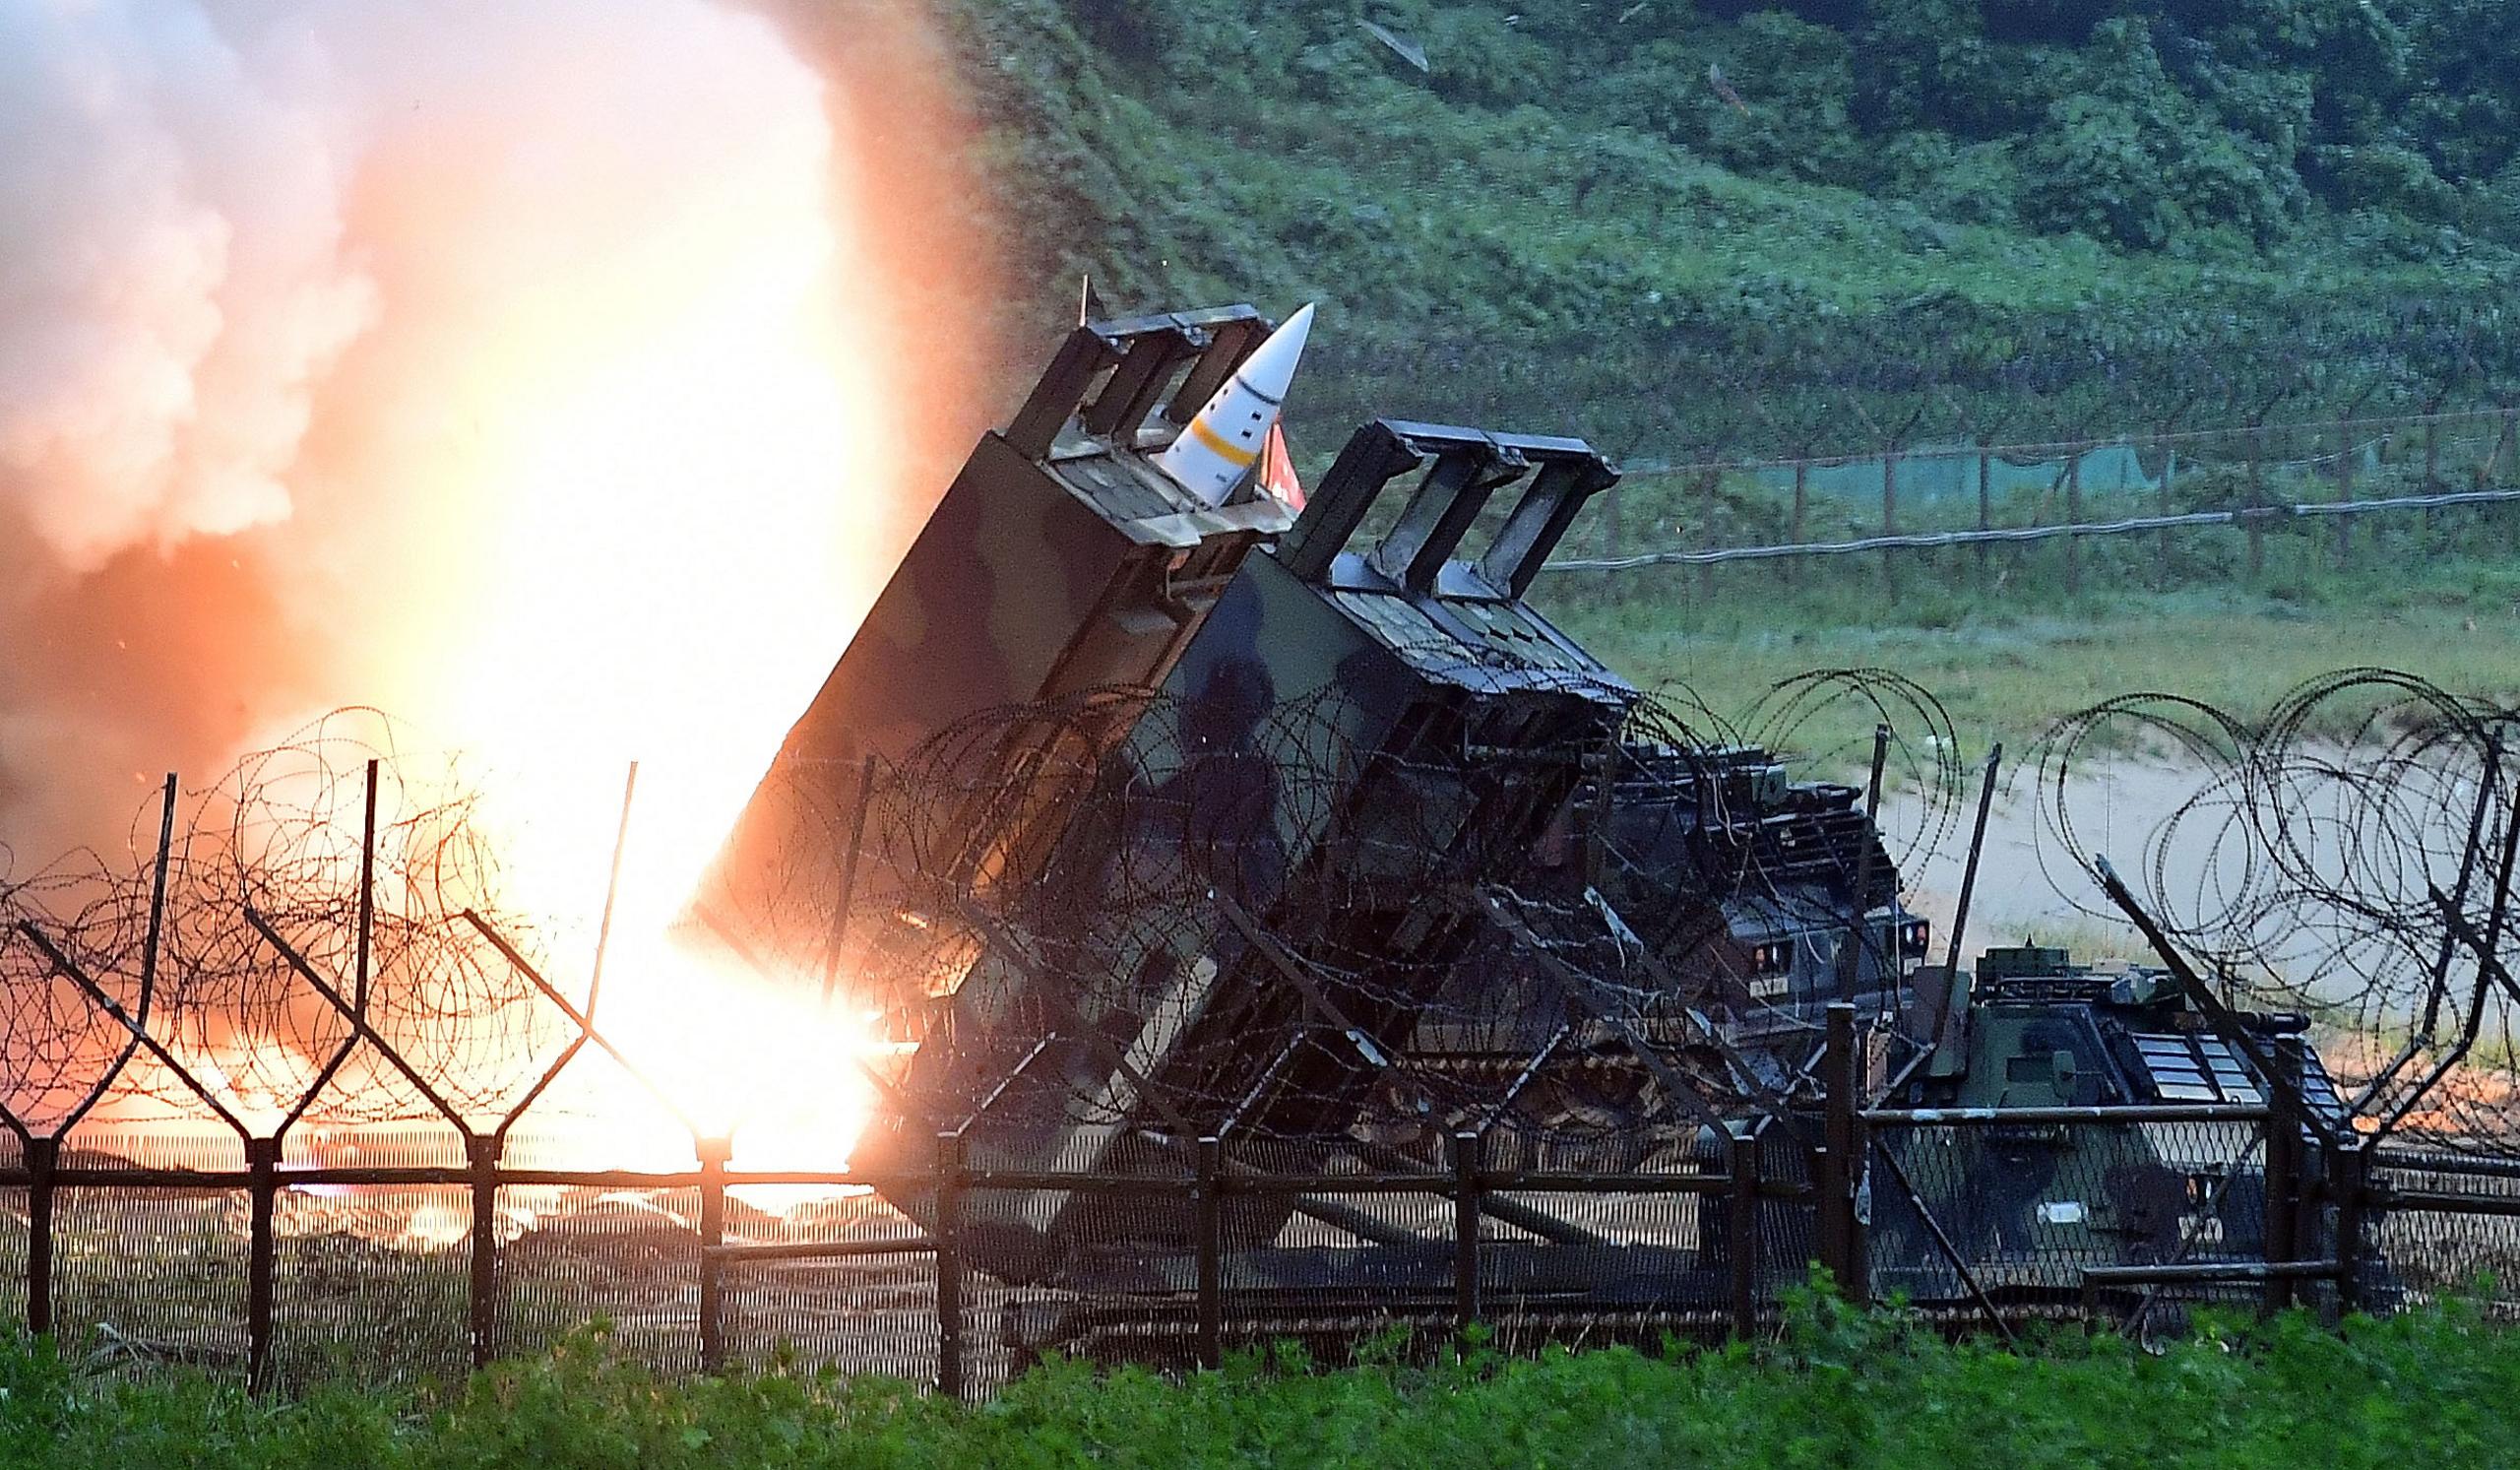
(2264, 480)
(2022, 535)
(159, 1268)
(2380, 429)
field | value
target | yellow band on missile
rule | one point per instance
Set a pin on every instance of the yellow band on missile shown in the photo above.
(1233, 454)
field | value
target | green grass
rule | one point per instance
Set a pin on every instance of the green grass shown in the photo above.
(2434, 1388)
(1544, 235)
(2007, 666)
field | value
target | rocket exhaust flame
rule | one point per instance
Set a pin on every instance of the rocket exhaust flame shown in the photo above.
(559, 397)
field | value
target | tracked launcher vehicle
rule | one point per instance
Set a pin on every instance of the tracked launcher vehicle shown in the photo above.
(1249, 956)
(1148, 820)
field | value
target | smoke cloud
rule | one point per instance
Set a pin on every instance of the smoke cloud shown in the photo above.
(176, 278)
(562, 375)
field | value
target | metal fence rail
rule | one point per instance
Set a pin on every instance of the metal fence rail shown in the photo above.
(2254, 477)
(2023, 535)
(693, 1280)
(449, 1240)
(242, 1270)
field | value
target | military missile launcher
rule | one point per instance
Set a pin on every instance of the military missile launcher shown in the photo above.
(1747, 883)
(1446, 725)
(1060, 560)
(1310, 834)
(1239, 917)
(1742, 885)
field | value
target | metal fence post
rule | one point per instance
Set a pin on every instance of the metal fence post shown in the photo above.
(1466, 1197)
(1211, 1212)
(2283, 1178)
(1711, 514)
(2073, 517)
(2168, 543)
(1801, 517)
(262, 1159)
(1837, 1165)
(1614, 532)
(1847, 1146)
(949, 1265)
(2499, 460)
(1858, 1210)
(1890, 521)
(1985, 512)
(713, 1154)
(42, 1156)
(481, 1155)
(2349, 1181)
(2256, 501)
(1741, 1227)
(1826, 1183)
(2431, 473)
(2344, 492)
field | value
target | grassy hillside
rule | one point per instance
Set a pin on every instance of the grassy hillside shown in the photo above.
(2008, 672)
(1677, 228)
(1720, 228)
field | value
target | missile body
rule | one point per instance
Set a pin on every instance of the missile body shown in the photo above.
(1219, 444)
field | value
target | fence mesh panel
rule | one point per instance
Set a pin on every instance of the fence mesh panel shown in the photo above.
(859, 1313)
(2020, 1211)
(371, 1284)
(150, 1277)
(627, 1257)
(2467, 1253)
(1594, 1267)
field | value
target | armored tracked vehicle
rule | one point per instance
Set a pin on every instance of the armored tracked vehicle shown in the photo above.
(2038, 1183)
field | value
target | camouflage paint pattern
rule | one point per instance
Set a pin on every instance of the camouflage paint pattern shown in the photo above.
(1388, 677)
(1059, 560)
(2028, 1205)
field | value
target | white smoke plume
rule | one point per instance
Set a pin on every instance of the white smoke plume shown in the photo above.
(495, 362)
(176, 276)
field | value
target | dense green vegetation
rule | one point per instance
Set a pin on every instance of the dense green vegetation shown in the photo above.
(1733, 228)
(2435, 1388)
(1679, 227)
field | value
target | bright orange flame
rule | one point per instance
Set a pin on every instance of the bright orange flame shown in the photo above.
(673, 491)
(767, 1066)
(679, 559)
(611, 474)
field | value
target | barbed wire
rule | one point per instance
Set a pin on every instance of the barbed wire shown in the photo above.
(1288, 921)
(2347, 855)
(1127, 915)
(282, 838)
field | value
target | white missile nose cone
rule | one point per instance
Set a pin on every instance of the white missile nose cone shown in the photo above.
(1271, 367)
(1220, 444)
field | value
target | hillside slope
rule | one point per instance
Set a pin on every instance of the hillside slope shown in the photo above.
(1681, 229)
